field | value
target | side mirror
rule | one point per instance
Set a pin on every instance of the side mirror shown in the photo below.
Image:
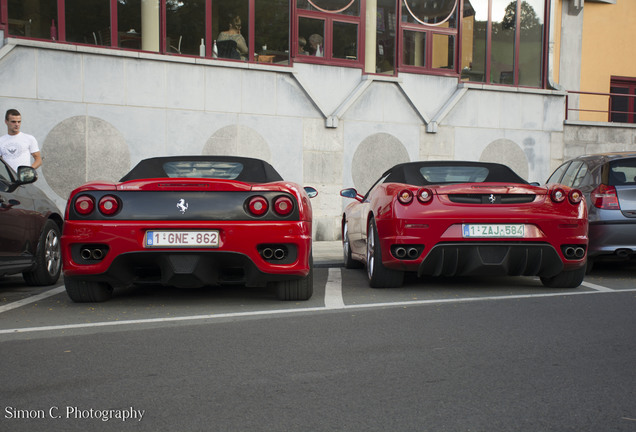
(351, 193)
(311, 192)
(26, 174)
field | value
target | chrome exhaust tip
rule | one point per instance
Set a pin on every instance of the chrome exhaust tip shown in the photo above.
(400, 252)
(413, 253)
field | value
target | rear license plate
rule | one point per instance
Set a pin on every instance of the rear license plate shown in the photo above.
(183, 239)
(493, 230)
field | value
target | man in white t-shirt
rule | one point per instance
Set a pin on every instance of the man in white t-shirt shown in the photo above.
(16, 148)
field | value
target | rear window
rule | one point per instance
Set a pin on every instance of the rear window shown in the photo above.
(454, 174)
(203, 169)
(622, 172)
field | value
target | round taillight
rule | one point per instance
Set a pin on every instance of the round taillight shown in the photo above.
(405, 196)
(258, 205)
(575, 196)
(108, 205)
(283, 206)
(557, 195)
(424, 195)
(84, 205)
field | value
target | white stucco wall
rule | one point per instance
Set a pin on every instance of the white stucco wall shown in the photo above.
(97, 112)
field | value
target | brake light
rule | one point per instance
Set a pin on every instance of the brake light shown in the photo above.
(258, 205)
(424, 195)
(604, 197)
(575, 196)
(405, 196)
(283, 206)
(557, 195)
(84, 205)
(108, 205)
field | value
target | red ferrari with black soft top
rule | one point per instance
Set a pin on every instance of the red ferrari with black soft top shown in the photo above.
(189, 221)
(448, 218)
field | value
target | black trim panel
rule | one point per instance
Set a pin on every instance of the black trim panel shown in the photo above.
(196, 206)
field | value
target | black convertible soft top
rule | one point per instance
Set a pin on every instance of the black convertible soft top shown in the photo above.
(248, 170)
(425, 173)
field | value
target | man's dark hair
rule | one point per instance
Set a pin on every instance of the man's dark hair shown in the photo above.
(12, 112)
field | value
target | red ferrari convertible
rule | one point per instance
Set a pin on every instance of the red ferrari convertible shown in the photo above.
(465, 218)
(189, 221)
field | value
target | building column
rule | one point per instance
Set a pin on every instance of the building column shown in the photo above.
(150, 25)
(570, 53)
(370, 36)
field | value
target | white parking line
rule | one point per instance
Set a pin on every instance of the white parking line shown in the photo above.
(333, 289)
(32, 299)
(304, 310)
(597, 287)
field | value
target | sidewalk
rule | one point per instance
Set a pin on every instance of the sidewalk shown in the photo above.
(328, 254)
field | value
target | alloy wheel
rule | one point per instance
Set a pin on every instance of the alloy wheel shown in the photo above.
(370, 249)
(52, 253)
(345, 240)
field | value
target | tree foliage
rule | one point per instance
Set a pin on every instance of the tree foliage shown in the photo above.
(529, 18)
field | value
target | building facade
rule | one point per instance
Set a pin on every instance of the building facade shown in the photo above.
(386, 81)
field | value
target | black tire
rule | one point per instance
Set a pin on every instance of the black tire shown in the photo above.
(83, 291)
(379, 276)
(297, 289)
(590, 265)
(48, 257)
(565, 279)
(349, 262)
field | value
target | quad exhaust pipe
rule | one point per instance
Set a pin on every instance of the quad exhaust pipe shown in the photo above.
(406, 252)
(574, 252)
(95, 254)
(273, 253)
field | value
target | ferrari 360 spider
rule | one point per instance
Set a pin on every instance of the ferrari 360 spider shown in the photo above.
(453, 218)
(189, 222)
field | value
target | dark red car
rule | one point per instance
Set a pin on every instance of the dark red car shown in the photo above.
(465, 218)
(30, 226)
(189, 221)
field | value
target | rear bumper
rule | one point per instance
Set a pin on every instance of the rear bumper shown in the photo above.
(442, 250)
(238, 259)
(607, 238)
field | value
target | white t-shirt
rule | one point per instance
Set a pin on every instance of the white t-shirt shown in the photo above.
(16, 149)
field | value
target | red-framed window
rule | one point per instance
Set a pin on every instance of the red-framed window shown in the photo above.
(485, 41)
(504, 42)
(174, 27)
(429, 36)
(622, 100)
(329, 31)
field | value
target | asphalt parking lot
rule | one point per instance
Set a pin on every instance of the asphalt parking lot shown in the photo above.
(25, 309)
(461, 354)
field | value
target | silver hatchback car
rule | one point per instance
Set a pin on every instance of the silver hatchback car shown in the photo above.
(608, 182)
